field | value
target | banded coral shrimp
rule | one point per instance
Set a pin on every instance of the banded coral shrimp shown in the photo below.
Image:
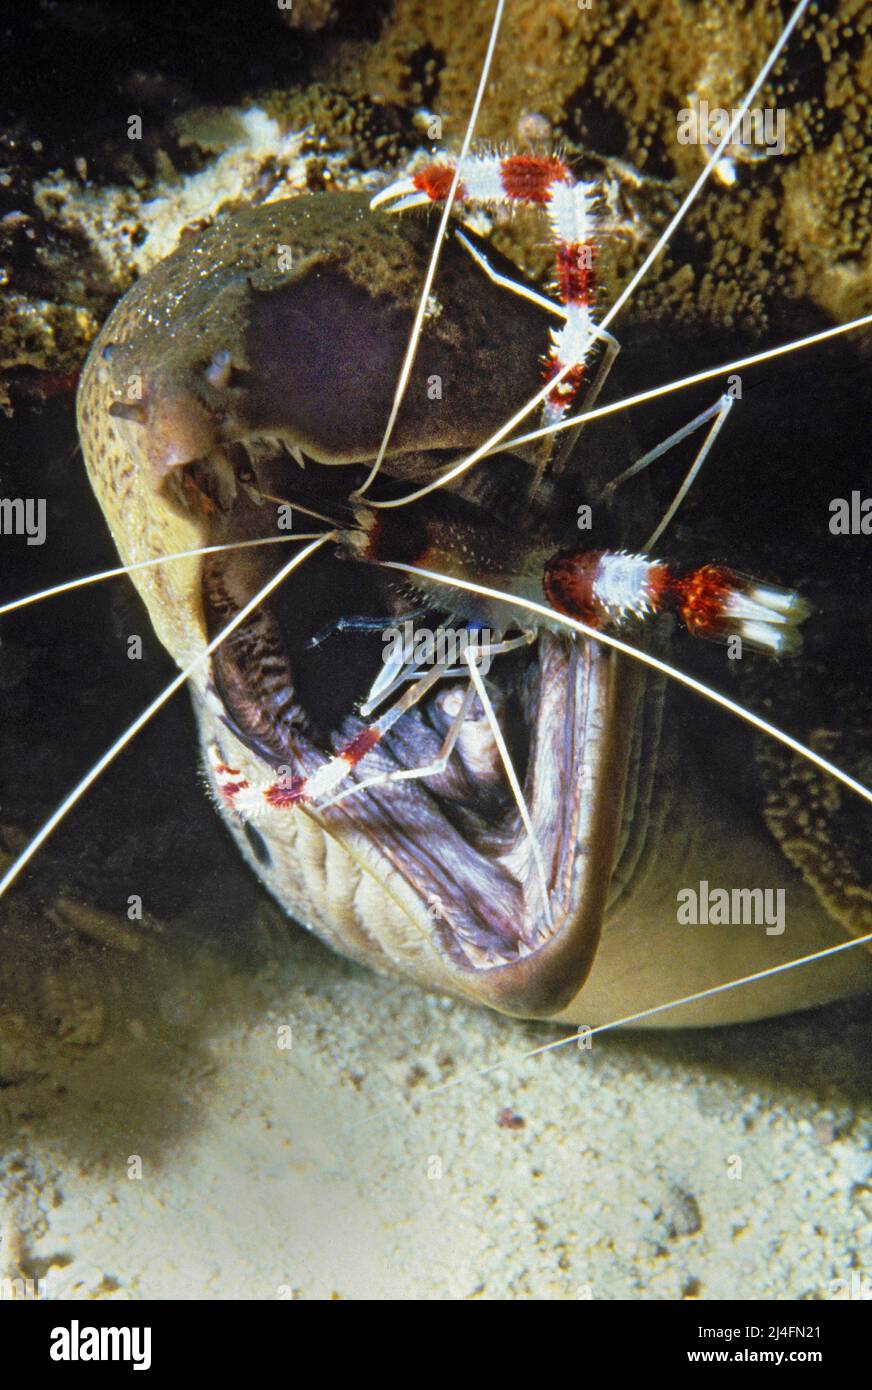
(750, 566)
(524, 174)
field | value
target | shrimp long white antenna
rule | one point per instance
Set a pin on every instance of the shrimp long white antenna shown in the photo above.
(512, 778)
(73, 797)
(69, 584)
(514, 1061)
(655, 392)
(708, 692)
(627, 402)
(307, 511)
(713, 990)
(709, 166)
(655, 1009)
(662, 241)
(417, 325)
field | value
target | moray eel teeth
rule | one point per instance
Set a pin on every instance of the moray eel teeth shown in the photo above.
(223, 372)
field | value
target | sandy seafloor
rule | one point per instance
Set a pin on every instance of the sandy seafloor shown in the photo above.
(326, 1169)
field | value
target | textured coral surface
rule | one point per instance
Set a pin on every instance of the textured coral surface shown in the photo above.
(608, 79)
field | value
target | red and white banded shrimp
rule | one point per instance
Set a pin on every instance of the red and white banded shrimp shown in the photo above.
(197, 450)
(601, 1125)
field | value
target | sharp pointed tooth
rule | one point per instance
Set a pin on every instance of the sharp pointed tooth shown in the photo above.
(224, 477)
(253, 493)
(481, 960)
(296, 454)
(412, 200)
(393, 190)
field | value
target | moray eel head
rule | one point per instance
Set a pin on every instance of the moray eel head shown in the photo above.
(274, 340)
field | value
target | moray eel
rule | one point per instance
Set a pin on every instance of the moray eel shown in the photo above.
(272, 340)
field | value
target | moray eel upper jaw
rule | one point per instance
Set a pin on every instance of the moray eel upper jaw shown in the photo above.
(276, 337)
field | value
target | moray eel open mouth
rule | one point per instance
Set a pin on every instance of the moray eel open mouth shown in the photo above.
(289, 681)
(278, 335)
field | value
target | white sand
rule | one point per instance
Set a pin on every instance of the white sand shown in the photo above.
(327, 1169)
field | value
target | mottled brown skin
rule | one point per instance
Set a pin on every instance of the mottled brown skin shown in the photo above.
(229, 289)
(623, 823)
